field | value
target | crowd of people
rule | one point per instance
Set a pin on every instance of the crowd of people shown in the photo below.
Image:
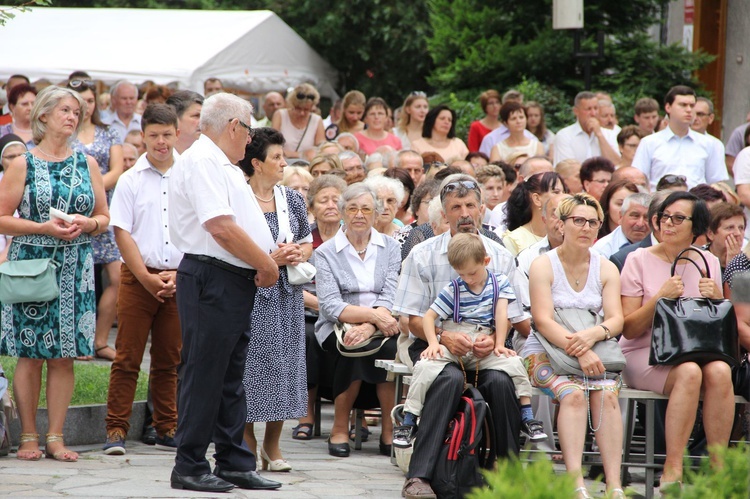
(189, 218)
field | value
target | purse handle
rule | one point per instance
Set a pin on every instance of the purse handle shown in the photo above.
(680, 257)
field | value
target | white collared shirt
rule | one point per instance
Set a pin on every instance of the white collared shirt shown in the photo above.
(611, 243)
(573, 143)
(364, 269)
(693, 156)
(204, 185)
(140, 206)
(116, 124)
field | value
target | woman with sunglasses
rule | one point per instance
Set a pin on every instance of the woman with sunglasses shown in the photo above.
(301, 127)
(411, 119)
(672, 183)
(646, 278)
(100, 142)
(439, 135)
(20, 101)
(573, 276)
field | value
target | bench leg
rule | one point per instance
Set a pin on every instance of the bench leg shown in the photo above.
(359, 415)
(399, 390)
(650, 448)
(629, 427)
(316, 418)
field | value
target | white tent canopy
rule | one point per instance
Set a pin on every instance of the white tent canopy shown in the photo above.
(250, 50)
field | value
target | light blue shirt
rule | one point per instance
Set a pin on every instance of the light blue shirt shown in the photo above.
(116, 124)
(611, 243)
(693, 156)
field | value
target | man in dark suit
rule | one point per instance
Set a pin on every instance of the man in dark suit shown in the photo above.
(619, 258)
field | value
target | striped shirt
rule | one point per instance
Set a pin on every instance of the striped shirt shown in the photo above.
(473, 308)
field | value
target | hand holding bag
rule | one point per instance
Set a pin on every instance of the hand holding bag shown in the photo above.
(698, 330)
(574, 320)
(370, 346)
(32, 281)
(303, 272)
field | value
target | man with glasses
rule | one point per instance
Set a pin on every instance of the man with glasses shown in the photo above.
(123, 117)
(678, 149)
(425, 272)
(226, 242)
(704, 117)
(353, 167)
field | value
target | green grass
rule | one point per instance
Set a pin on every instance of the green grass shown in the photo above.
(92, 381)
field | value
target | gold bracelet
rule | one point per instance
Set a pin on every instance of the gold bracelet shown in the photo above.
(97, 225)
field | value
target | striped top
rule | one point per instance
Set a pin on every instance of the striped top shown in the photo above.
(473, 308)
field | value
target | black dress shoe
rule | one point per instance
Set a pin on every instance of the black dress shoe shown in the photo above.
(149, 435)
(246, 479)
(385, 449)
(338, 450)
(204, 483)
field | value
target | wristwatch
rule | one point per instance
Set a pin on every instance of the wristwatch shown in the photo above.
(439, 333)
(607, 332)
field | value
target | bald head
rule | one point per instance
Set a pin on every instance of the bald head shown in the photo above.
(271, 102)
(631, 174)
(534, 165)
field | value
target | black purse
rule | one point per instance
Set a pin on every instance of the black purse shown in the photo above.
(741, 378)
(697, 330)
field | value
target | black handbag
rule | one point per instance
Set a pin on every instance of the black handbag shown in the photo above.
(697, 330)
(741, 378)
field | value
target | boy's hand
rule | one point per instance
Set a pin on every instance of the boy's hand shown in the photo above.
(501, 350)
(432, 352)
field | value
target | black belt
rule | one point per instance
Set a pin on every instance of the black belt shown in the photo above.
(234, 269)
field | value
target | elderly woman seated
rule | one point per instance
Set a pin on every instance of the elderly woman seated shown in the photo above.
(390, 192)
(356, 284)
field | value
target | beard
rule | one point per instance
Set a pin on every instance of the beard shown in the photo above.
(467, 225)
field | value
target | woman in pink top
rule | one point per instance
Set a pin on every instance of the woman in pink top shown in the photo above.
(682, 217)
(375, 135)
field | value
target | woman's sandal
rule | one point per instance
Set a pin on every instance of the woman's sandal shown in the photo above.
(64, 455)
(303, 431)
(364, 433)
(29, 455)
(105, 357)
(616, 494)
(583, 493)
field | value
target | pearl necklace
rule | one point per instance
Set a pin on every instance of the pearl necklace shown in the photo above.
(264, 200)
(51, 156)
(361, 252)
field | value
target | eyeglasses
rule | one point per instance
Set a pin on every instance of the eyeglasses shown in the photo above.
(675, 219)
(452, 186)
(435, 164)
(352, 210)
(673, 179)
(77, 83)
(301, 96)
(246, 127)
(418, 93)
(701, 115)
(581, 222)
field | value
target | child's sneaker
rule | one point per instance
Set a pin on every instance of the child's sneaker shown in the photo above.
(534, 430)
(115, 445)
(403, 436)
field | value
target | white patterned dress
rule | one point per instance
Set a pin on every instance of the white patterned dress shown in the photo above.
(63, 327)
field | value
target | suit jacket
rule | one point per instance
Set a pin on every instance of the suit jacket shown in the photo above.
(619, 258)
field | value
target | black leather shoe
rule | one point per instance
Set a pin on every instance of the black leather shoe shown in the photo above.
(338, 450)
(385, 449)
(149, 435)
(204, 483)
(246, 479)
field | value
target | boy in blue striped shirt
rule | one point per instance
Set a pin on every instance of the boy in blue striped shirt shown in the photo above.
(476, 303)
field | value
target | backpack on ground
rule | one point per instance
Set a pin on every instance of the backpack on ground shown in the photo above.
(468, 447)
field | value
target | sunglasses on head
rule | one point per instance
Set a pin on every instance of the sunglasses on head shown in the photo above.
(80, 82)
(457, 184)
(302, 96)
(674, 179)
(418, 93)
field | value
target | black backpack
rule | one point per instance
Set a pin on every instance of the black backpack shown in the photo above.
(469, 445)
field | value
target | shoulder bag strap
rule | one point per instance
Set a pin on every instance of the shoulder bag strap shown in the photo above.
(309, 119)
(681, 257)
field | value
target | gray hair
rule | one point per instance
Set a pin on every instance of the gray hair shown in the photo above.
(380, 182)
(461, 190)
(347, 134)
(128, 144)
(642, 199)
(113, 90)
(585, 95)
(708, 102)
(435, 211)
(408, 152)
(356, 190)
(324, 182)
(375, 157)
(46, 101)
(607, 103)
(657, 199)
(388, 155)
(221, 108)
(344, 155)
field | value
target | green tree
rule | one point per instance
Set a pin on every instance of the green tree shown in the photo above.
(477, 44)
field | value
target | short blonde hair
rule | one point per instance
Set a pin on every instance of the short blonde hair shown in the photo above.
(46, 101)
(303, 88)
(566, 206)
(464, 249)
(296, 171)
(330, 159)
(486, 172)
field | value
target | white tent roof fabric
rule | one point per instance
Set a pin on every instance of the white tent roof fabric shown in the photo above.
(251, 50)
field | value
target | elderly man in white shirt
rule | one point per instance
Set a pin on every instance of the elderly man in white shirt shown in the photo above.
(216, 222)
(678, 149)
(633, 226)
(586, 138)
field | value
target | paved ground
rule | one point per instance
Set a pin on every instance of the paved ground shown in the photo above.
(144, 472)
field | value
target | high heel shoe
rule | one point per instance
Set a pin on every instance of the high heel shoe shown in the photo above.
(276, 465)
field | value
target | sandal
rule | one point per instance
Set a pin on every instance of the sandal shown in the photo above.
(582, 492)
(364, 433)
(64, 455)
(105, 357)
(29, 455)
(303, 431)
(616, 494)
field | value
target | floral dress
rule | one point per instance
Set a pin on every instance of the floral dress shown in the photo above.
(63, 327)
(105, 248)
